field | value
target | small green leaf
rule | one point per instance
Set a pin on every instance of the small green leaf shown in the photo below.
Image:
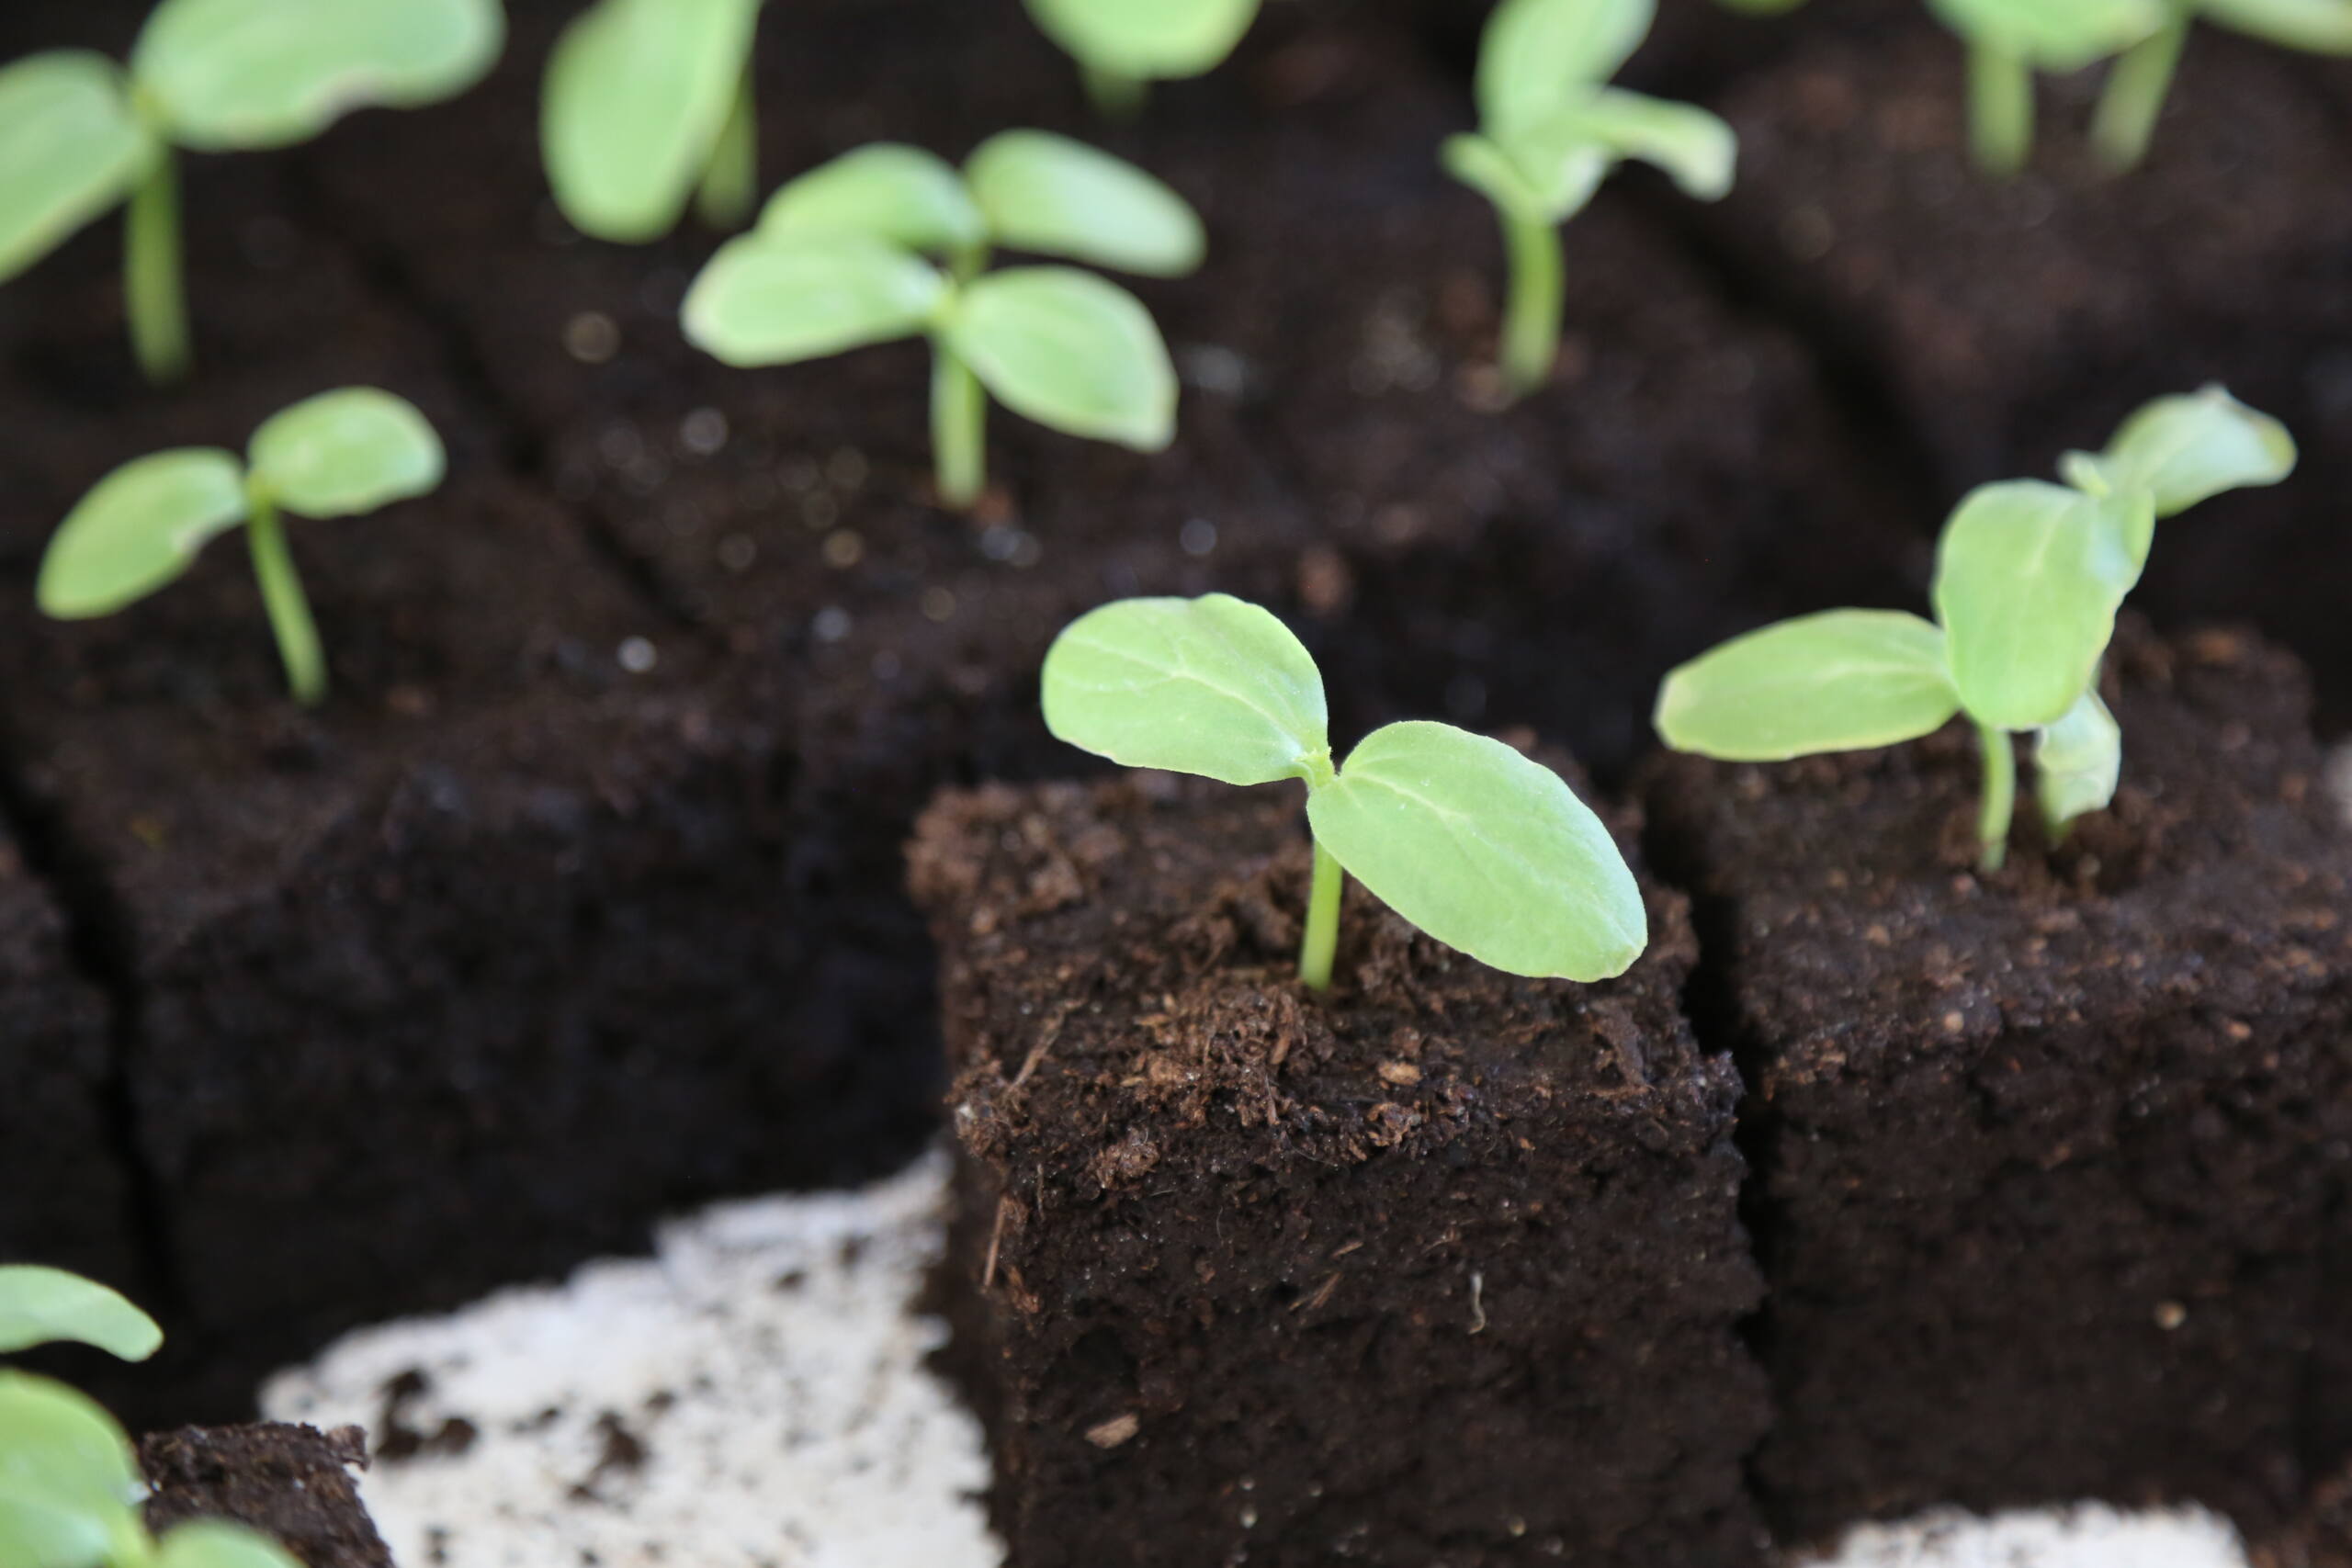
(1695, 148)
(227, 74)
(1055, 197)
(2029, 577)
(345, 452)
(1484, 850)
(71, 149)
(217, 1543)
(1535, 54)
(1146, 39)
(2183, 450)
(887, 190)
(765, 301)
(36, 1532)
(1840, 681)
(137, 529)
(636, 96)
(47, 1306)
(1483, 165)
(2077, 762)
(1070, 350)
(67, 1474)
(2052, 36)
(1561, 162)
(2321, 27)
(1214, 686)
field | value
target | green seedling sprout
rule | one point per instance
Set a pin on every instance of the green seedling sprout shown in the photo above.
(80, 135)
(648, 104)
(337, 454)
(2142, 78)
(2028, 578)
(1550, 130)
(2008, 40)
(70, 1486)
(1483, 849)
(1122, 46)
(837, 261)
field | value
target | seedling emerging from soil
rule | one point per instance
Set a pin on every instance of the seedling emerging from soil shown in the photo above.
(1122, 46)
(1550, 130)
(2143, 77)
(2008, 40)
(1481, 847)
(337, 454)
(2029, 577)
(79, 135)
(647, 103)
(70, 1487)
(837, 261)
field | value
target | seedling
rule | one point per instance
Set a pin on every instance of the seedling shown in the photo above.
(648, 104)
(80, 135)
(70, 1486)
(1550, 130)
(2008, 40)
(1122, 46)
(1483, 849)
(2136, 90)
(337, 454)
(2028, 578)
(839, 262)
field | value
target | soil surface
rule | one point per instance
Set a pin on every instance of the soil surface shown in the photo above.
(293, 1484)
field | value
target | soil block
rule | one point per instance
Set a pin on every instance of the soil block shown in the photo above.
(2047, 1167)
(293, 1484)
(1442, 1269)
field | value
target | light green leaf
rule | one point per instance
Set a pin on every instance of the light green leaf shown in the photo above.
(48, 1306)
(1484, 850)
(765, 301)
(1214, 686)
(1562, 162)
(69, 1482)
(2077, 762)
(1070, 350)
(345, 452)
(224, 74)
(70, 150)
(2055, 37)
(137, 529)
(2029, 577)
(1698, 150)
(1536, 54)
(35, 1532)
(887, 190)
(2183, 450)
(2321, 27)
(1840, 681)
(1055, 197)
(636, 95)
(1485, 167)
(217, 1543)
(1146, 39)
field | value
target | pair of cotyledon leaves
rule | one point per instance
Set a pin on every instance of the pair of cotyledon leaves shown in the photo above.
(2067, 37)
(1551, 127)
(336, 455)
(1145, 40)
(1480, 847)
(837, 261)
(2028, 578)
(78, 132)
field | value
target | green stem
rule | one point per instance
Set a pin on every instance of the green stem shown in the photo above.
(1538, 288)
(1114, 96)
(730, 183)
(154, 299)
(2134, 99)
(289, 612)
(2000, 801)
(1322, 941)
(2000, 108)
(959, 416)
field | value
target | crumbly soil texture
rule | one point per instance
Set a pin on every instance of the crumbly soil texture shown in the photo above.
(292, 1483)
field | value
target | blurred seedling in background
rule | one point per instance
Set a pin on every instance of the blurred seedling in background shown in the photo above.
(2008, 40)
(647, 105)
(891, 242)
(80, 135)
(1550, 130)
(2028, 578)
(1123, 46)
(70, 1487)
(337, 454)
(2142, 77)
(1482, 848)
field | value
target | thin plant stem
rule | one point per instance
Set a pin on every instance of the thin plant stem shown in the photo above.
(1531, 317)
(282, 596)
(2134, 99)
(730, 183)
(2000, 108)
(2000, 800)
(153, 293)
(1322, 940)
(959, 417)
(1114, 96)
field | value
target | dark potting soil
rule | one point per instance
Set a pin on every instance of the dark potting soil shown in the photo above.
(1440, 1269)
(292, 1483)
(2048, 1164)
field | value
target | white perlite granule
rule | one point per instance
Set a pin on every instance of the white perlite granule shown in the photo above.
(2091, 1535)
